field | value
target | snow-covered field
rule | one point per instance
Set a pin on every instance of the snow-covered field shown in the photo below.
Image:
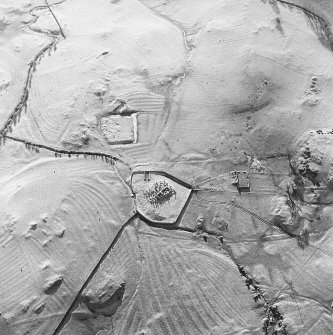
(166, 167)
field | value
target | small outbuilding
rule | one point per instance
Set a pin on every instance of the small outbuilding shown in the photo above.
(241, 180)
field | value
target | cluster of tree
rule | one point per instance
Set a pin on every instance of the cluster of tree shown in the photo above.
(273, 321)
(22, 105)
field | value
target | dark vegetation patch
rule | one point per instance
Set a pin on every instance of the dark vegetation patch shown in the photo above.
(316, 21)
(278, 25)
(106, 302)
(53, 285)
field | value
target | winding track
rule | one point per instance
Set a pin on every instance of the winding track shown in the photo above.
(56, 20)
